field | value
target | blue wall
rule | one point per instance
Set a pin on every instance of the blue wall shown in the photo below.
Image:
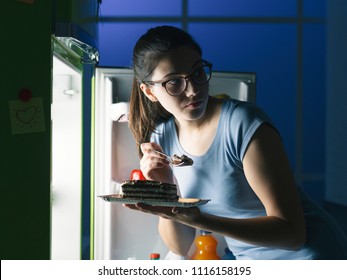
(282, 41)
(336, 152)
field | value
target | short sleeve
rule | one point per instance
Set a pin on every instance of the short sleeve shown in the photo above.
(242, 121)
(164, 135)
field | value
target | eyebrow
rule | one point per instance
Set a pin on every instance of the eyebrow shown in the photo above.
(173, 74)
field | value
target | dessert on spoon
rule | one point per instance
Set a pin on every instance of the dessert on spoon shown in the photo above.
(177, 160)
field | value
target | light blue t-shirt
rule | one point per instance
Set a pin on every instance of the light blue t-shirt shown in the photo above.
(218, 175)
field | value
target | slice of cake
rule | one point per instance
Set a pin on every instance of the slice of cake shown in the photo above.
(149, 190)
(182, 160)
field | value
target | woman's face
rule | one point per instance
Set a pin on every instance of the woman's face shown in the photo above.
(191, 103)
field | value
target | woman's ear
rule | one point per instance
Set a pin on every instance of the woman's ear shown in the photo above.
(148, 92)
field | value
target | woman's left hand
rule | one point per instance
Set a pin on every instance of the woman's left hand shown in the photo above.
(188, 216)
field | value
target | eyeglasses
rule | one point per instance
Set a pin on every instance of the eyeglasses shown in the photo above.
(176, 86)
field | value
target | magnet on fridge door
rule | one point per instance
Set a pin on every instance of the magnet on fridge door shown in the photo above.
(25, 94)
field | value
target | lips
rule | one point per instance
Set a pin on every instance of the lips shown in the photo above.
(193, 104)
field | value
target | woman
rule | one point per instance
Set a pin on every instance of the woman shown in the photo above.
(239, 160)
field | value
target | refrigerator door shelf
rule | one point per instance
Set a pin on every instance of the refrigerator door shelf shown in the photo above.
(87, 53)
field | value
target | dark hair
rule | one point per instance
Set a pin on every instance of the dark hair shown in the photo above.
(155, 44)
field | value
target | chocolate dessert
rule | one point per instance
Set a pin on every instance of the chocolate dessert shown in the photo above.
(149, 190)
(181, 160)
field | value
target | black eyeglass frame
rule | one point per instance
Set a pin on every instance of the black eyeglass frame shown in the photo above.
(163, 84)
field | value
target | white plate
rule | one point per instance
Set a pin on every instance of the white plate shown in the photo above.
(182, 202)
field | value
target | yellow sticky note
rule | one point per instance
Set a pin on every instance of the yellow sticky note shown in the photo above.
(27, 117)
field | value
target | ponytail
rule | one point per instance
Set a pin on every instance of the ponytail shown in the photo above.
(143, 115)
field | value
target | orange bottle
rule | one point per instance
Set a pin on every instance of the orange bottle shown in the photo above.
(206, 247)
(154, 256)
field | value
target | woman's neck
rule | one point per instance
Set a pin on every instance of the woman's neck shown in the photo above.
(212, 110)
(196, 136)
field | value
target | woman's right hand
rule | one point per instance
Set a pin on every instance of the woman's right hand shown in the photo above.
(155, 166)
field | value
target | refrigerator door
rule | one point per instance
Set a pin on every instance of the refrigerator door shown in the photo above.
(70, 182)
(74, 42)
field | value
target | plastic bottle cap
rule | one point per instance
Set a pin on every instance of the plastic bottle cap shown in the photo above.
(154, 256)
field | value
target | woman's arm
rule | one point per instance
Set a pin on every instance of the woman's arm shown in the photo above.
(268, 172)
(177, 237)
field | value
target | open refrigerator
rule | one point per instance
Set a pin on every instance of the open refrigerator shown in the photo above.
(120, 233)
(114, 232)
(92, 148)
